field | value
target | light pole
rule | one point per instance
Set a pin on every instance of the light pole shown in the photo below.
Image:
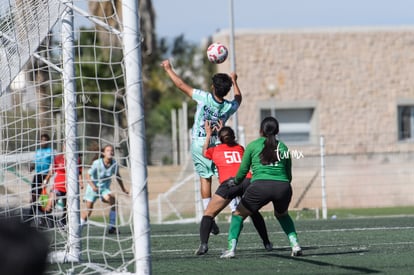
(233, 63)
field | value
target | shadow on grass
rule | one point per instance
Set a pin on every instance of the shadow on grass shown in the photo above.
(305, 259)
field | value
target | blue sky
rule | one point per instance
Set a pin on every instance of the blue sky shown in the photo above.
(197, 19)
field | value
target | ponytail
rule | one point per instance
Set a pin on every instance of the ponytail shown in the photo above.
(269, 128)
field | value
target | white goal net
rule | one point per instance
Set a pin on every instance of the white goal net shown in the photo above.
(63, 73)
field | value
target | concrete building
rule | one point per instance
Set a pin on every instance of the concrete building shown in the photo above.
(354, 87)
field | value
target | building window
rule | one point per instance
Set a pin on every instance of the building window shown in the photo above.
(295, 124)
(406, 122)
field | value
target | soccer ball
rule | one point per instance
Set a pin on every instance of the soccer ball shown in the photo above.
(217, 53)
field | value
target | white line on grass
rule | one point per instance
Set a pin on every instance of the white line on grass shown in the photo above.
(358, 229)
(300, 231)
(276, 248)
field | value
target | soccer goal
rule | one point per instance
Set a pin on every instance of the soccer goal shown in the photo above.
(72, 70)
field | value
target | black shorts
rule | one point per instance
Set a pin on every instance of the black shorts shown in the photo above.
(37, 183)
(230, 193)
(261, 192)
(59, 194)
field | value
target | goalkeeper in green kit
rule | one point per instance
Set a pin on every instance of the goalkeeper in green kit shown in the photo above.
(271, 166)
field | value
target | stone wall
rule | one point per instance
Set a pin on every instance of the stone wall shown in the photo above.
(354, 77)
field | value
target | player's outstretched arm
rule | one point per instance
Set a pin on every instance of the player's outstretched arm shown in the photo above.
(236, 89)
(184, 87)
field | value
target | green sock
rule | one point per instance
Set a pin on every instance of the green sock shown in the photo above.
(235, 228)
(288, 226)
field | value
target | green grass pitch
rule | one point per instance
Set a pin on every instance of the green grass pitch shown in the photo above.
(341, 246)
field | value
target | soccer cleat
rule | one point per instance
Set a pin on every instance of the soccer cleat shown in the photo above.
(296, 251)
(202, 249)
(113, 230)
(228, 254)
(268, 246)
(215, 230)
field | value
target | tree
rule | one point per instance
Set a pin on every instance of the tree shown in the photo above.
(161, 96)
(39, 71)
(111, 13)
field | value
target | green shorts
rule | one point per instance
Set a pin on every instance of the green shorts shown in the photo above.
(204, 167)
(92, 196)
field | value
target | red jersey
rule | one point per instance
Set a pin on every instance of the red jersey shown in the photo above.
(227, 160)
(59, 169)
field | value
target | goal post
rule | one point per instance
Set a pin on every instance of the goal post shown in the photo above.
(136, 131)
(69, 91)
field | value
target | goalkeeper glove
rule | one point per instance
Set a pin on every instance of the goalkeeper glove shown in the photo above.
(230, 182)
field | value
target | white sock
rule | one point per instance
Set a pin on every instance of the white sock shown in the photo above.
(205, 202)
(233, 203)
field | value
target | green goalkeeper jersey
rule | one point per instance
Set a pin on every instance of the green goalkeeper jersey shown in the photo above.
(281, 170)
